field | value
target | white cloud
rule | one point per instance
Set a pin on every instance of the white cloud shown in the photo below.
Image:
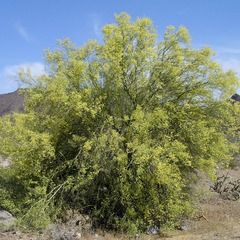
(9, 74)
(94, 20)
(230, 64)
(228, 57)
(7, 85)
(36, 69)
(97, 29)
(226, 50)
(22, 31)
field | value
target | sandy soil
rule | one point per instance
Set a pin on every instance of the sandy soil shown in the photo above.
(217, 218)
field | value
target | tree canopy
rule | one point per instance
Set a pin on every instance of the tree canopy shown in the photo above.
(118, 129)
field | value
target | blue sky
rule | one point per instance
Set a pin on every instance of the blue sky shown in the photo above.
(27, 27)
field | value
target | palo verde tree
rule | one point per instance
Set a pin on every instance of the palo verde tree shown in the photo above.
(118, 129)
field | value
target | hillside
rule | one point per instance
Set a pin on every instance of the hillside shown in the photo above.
(11, 102)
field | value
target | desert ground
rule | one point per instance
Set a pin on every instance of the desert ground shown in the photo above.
(216, 218)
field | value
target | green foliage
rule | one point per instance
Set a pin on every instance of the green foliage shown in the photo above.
(37, 217)
(118, 129)
(7, 226)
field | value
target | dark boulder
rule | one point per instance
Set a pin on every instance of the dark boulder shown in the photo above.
(236, 97)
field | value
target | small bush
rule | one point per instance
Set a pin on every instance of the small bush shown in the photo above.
(37, 217)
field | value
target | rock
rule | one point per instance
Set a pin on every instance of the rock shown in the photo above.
(78, 235)
(4, 162)
(154, 230)
(4, 215)
(236, 97)
(7, 221)
(185, 227)
(137, 237)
